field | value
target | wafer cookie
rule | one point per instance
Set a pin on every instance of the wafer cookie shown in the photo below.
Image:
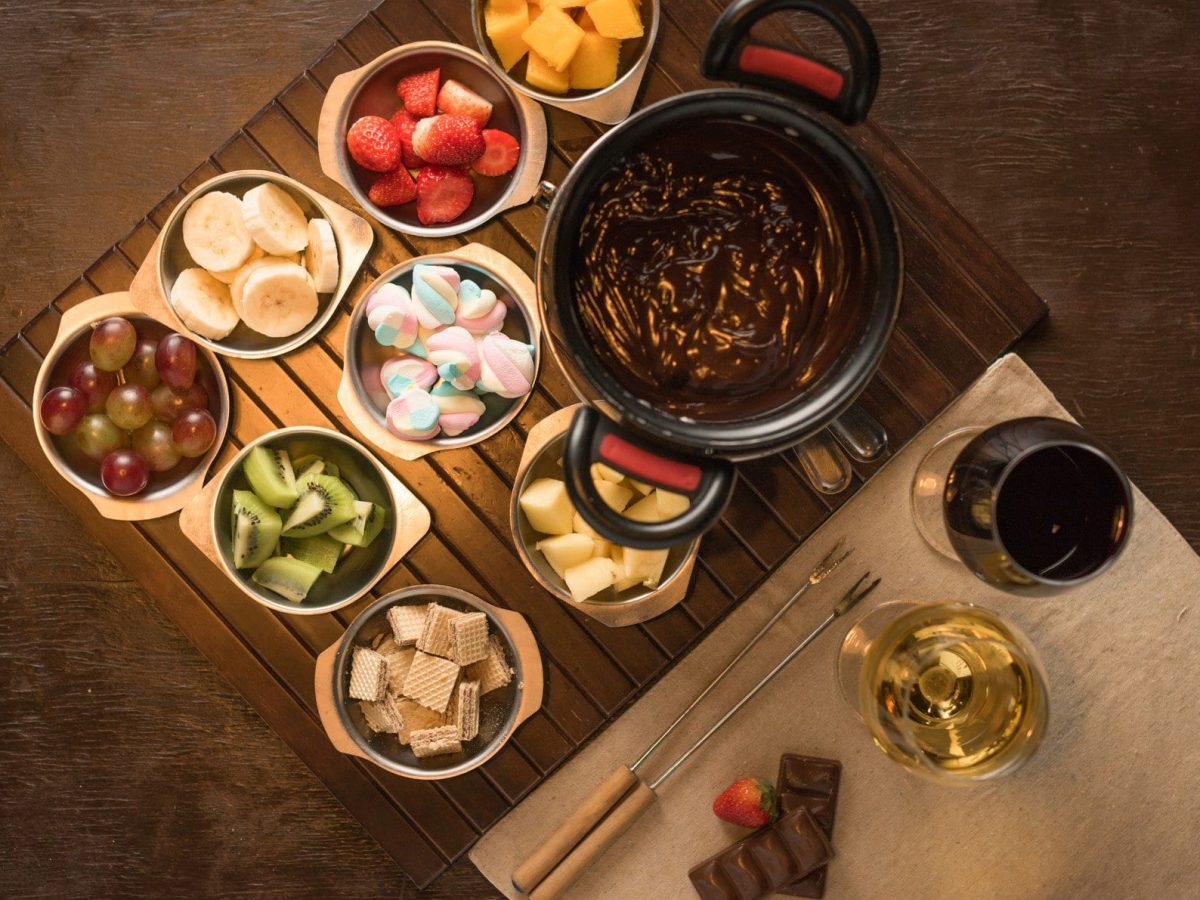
(492, 672)
(464, 710)
(384, 716)
(407, 623)
(469, 638)
(415, 717)
(435, 636)
(430, 681)
(436, 741)
(399, 659)
(368, 675)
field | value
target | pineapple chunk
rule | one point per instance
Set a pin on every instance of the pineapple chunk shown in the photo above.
(616, 18)
(504, 29)
(615, 495)
(645, 510)
(595, 62)
(582, 527)
(645, 565)
(585, 21)
(566, 550)
(555, 37)
(547, 506)
(566, 4)
(671, 505)
(608, 473)
(589, 578)
(503, 7)
(640, 486)
(601, 547)
(624, 581)
(540, 75)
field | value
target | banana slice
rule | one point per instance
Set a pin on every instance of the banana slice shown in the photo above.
(226, 276)
(214, 232)
(321, 258)
(278, 299)
(203, 304)
(274, 220)
(243, 275)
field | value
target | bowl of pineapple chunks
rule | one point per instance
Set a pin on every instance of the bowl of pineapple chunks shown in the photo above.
(586, 56)
(614, 584)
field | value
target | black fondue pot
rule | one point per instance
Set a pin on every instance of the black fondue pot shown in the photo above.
(664, 443)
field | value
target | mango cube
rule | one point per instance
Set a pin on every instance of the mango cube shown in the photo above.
(645, 510)
(671, 504)
(615, 495)
(640, 486)
(503, 7)
(555, 37)
(601, 547)
(645, 565)
(504, 29)
(564, 551)
(589, 578)
(566, 4)
(541, 75)
(608, 473)
(585, 22)
(547, 506)
(582, 527)
(618, 19)
(595, 63)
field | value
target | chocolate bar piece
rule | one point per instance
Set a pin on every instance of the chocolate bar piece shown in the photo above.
(807, 782)
(767, 860)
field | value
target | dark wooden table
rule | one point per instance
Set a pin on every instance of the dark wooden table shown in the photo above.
(1066, 132)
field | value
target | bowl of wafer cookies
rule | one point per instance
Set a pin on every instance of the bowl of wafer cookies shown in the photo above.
(429, 682)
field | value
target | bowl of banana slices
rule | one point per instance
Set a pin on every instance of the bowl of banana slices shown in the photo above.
(253, 263)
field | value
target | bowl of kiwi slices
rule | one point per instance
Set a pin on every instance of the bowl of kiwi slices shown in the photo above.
(305, 520)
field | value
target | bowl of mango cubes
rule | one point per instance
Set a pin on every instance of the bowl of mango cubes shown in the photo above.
(617, 585)
(586, 56)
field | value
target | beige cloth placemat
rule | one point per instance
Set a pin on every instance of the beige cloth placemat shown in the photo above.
(1108, 807)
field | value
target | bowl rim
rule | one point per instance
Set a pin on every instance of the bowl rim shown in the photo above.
(358, 316)
(516, 516)
(116, 306)
(291, 431)
(173, 229)
(565, 101)
(394, 598)
(341, 122)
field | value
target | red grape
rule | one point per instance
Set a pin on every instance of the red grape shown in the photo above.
(95, 384)
(62, 409)
(124, 473)
(141, 368)
(97, 436)
(129, 406)
(176, 361)
(112, 343)
(194, 432)
(154, 442)
(168, 404)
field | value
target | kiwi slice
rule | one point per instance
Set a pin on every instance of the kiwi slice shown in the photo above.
(270, 474)
(256, 528)
(308, 465)
(368, 521)
(321, 550)
(324, 502)
(287, 577)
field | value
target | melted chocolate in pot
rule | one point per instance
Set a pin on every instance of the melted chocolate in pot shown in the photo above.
(719, 270)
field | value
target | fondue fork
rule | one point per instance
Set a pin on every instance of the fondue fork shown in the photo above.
(604, 815)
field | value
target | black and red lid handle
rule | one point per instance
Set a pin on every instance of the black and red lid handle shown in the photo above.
(706, 481)
(847, 93)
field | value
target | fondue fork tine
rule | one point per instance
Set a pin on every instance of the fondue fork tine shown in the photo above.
(820, 572)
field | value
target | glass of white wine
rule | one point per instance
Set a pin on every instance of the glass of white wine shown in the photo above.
(950, 691)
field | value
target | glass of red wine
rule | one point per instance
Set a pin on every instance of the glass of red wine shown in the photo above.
(1031, 505)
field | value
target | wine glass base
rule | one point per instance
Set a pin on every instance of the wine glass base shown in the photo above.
(929, 486)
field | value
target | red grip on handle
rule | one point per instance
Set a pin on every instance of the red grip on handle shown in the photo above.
(647, 466)
(799, 70)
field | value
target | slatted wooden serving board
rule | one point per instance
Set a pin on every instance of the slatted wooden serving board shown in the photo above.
(962, 307)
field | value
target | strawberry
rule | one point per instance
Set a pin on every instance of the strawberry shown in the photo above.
(500, 153)
(393, 188)
(404, 125)
(448, 140)
(419, 92)
(749, 802)
(443, 194)
(459, 100)
(374, 144)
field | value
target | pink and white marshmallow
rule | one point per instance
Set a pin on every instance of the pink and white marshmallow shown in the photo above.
(392, 316)
(506, 366)
(456, 355)
(414, 415)
(479, 311)
(435, 292)
(460, 409)
(402, 373)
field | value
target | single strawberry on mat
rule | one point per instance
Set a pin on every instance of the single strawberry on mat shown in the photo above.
(749, 802)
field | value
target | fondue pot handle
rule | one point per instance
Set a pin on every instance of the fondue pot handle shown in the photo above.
(846, 93)
(707, 482)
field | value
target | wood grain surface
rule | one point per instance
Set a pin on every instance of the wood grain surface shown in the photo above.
(1065, 131)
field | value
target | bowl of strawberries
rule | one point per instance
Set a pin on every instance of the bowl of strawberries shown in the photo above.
(430, 141)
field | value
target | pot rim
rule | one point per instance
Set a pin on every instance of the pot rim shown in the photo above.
(737, 439)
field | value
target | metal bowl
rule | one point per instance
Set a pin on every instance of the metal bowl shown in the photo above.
(359, 570)
(373, 93)
(364, 356)
(173, 258)
(610, 104)
(166, 492)
(501, 711)
(545, 464)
